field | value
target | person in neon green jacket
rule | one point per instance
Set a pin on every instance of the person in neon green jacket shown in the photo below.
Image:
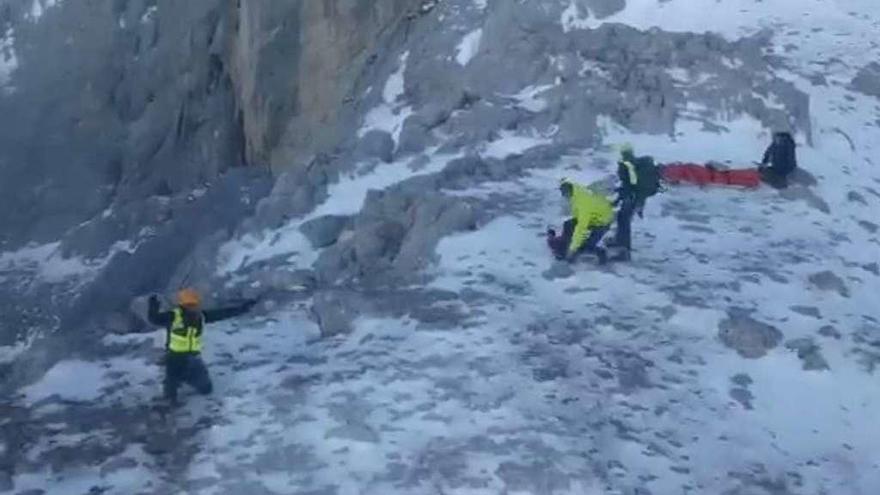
(592, 214)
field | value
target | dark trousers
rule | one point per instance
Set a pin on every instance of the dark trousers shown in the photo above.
(189, 369)
(623, 237)
(773, 177)
(559, 243)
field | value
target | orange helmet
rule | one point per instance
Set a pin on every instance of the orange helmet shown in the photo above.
(189, 298)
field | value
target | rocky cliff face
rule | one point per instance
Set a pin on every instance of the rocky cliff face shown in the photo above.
(295, 64)
(115, 101)
(142, 127)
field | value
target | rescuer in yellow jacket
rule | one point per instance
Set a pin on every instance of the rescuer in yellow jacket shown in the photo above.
(592, 214)
(183, 340)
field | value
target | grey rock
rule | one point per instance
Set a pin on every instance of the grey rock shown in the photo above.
(867, 80)
(807, 311)
(138, 310)
(870, 227)
(199, 267)
(118, 464)
(603, 8)
(829, 281)
(558, 270)
(741, 379)
(294, 65)
(829, 331)
(335, 311)
(855, 197)
(395, 233)
(287, 458)
(743, 396)
(380, 241)
(357, 432)
(750, 338)
(414, 137)
(632, 371)
(809, 352)
(324, 231)
(376, 144)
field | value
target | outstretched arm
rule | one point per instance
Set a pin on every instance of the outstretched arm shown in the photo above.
(219, 314)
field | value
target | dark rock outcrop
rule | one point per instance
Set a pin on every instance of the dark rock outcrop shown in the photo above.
(749, 337)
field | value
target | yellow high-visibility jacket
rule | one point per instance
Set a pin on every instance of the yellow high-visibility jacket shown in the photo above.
(590, 210)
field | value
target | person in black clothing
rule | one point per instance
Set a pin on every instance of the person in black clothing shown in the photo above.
(779, 160)
(183, 340)
(627, 198)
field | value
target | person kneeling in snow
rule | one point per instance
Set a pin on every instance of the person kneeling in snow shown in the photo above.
(779, 161)
(183, 340)
(592, 215)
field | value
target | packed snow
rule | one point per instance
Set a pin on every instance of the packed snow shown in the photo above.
(469, 47)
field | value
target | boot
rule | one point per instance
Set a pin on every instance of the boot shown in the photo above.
(603, 255)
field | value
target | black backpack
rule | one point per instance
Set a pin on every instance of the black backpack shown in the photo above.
(649, 182)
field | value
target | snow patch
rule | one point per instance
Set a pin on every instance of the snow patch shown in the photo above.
(394, 87)
(688, 77)
(469, 47)
(571, 19)
(74, 381)
(9, 353)
(390, 115)
(509, 144)
(528, 98)
(347, 196)
(150, 14)
(38, 8)
(388, 119)
(8, 59)
(86, 381)
(286, 241)
(49, 265)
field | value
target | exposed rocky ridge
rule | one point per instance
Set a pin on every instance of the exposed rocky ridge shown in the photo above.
(255, 84)
(128, 135)
(143, 97)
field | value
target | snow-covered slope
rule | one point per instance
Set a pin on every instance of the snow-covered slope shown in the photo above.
(735, 355)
